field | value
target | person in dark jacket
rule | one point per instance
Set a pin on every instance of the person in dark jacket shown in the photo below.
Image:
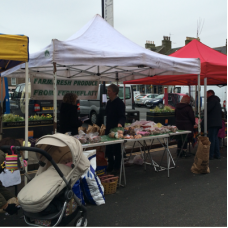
(69, 121)
(115, 112)
(185, 120)
(214, 123)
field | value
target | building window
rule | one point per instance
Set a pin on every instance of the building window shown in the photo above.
(160, 89)
(13, 81)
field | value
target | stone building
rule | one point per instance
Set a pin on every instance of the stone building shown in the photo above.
(13, 82)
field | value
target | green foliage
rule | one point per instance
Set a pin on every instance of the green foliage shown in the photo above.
(165, 109)
(12, 118)
(16, 118)
(42, 117)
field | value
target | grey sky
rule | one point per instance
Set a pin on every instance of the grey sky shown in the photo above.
(138, 20)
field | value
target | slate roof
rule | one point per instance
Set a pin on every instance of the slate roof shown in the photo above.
(222, 49)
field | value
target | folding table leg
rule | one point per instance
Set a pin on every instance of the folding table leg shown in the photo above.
(122, 168)
(132, 150)
(182, 145)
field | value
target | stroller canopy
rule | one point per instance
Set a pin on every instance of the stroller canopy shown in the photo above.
(67, 146)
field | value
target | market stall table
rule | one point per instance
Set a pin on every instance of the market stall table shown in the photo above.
(165, 137)
(106, 140)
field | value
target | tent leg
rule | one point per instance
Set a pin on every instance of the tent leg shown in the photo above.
(199, 127)
(26, 118)
(124, 94)
(55, 99)
(205, 106)
(1, 113)
(195, 100)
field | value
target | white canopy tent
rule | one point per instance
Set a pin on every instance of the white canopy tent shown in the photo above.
(99, 51)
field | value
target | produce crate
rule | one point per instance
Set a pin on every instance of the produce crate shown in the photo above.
(110, 183)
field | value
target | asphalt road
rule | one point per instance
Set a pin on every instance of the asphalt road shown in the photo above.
(152, 199)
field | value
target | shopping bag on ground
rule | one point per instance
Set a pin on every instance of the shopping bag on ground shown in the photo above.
(78, 192)
(138, 160)
(91, 185)
(201, 160)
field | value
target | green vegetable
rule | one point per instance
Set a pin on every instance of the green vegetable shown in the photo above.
(115, 129)
(165, 109)
(12, 118)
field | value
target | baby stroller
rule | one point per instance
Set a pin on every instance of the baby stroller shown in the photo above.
(46, 196)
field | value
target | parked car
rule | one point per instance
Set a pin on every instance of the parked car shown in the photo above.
(93, 109)
(140, 100)
(173, 100)
(158, 101)
(150, 97)
(136, 94)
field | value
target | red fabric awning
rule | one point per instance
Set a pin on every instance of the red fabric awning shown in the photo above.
(213, 67)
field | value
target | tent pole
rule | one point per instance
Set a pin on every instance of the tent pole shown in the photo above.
(205, 106)
(55, 99)
(117, 78)
(1, 114)
(195, 100)
(26, 117)
(199, 127)
(124, 94)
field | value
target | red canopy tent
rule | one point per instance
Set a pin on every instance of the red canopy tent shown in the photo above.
(213, 71)
(213, 67)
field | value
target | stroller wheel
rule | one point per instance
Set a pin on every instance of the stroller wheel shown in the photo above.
(78, 221)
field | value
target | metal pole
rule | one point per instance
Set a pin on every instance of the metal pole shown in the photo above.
(195, 100)
(102, 8)
(124, 95)
(199, 127)
(117, 78)
(205, 106)
(1, 114)
(26, 117)
(54, 98)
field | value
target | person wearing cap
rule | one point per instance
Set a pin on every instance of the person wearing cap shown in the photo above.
(5, 194)
(185, 120)
(115, 112)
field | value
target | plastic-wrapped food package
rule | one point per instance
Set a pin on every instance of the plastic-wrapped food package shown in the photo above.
(94, 138)
(149, 125)
(83, 139)
(127, 137)
(139, 123)
(81, 133)
(144, 133)
(137, 130)
(174, 129)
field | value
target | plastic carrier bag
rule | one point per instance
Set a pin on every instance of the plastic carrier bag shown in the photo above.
(78, 192)
(91, 185)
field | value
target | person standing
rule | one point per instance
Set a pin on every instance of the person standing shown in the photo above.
(115, 112)
(185, 120)
(69, 121)
(214, 123)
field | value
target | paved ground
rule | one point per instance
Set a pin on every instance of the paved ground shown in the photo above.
(152, 199)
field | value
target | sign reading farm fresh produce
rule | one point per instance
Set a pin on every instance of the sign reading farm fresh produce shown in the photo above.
(42, 88)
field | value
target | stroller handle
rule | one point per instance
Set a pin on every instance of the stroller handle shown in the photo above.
(37, 150)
